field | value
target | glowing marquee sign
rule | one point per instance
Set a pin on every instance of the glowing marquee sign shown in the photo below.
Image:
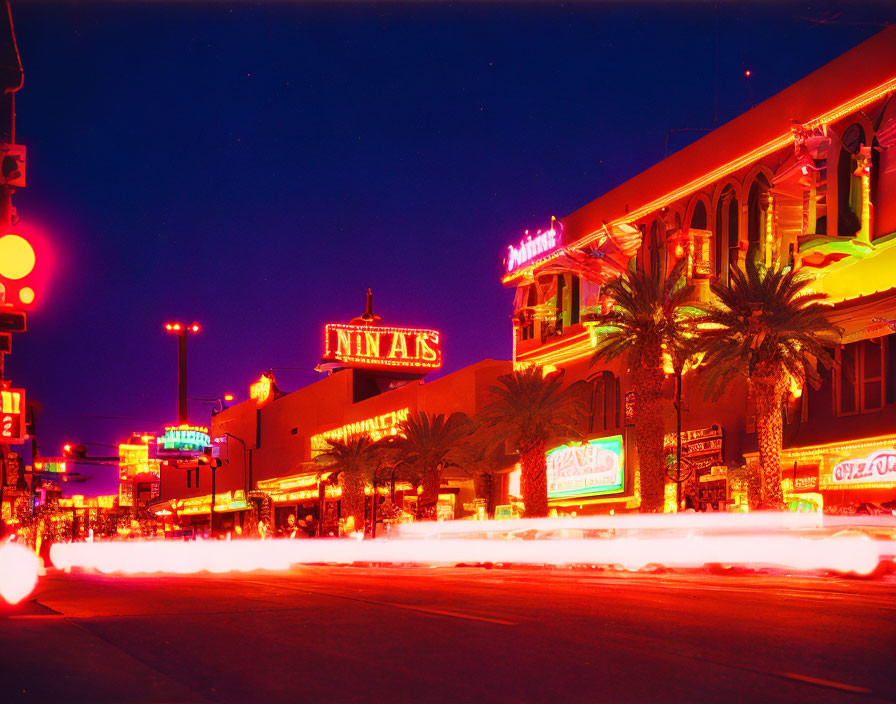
(12, 416)
(878, 468)
(262, 389)
(382, 347)
(531, 248)
(135, 465)
(375, 428)
(586, 470)
(191, 438)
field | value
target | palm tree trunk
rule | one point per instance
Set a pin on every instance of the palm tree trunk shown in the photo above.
(534, 482)
(649, 436)
(484, 488)
(768, 393)
(353, 500)
(429, 497)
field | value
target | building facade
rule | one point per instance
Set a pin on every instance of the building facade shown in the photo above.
(808, 179)
(266, 446)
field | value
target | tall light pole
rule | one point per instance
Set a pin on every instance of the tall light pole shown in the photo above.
(181, 331)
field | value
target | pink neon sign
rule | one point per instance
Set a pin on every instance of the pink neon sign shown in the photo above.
(531, 249)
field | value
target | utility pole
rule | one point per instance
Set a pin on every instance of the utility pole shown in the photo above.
(181, 331)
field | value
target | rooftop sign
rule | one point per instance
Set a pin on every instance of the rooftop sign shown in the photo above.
(191, 438)
(376, 347)
(262, 389)
(533, 248)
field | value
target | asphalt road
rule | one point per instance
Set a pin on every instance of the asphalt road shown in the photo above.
(352, 634)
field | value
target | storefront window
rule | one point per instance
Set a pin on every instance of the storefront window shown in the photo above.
(859, 377)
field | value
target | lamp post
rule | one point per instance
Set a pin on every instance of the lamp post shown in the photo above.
(181, 331)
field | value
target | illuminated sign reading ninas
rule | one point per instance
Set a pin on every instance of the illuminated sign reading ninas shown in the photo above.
(382, 347)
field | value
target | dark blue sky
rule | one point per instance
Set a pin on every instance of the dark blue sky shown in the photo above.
(256, 168)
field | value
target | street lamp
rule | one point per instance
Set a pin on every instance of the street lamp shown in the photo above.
(181, 331)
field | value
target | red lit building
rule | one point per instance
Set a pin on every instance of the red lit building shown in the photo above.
(808, 177)
(267, 444)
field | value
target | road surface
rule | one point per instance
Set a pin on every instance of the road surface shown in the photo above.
(416, 634)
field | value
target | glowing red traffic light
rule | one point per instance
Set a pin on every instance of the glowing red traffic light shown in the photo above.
(17, 260)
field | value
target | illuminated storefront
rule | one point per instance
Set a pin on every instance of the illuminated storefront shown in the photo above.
(840, 475)
(817, 197)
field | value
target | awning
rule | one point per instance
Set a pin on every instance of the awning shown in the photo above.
(866, 269)
(865, 317)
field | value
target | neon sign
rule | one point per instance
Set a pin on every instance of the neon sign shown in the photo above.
(878, 468)
(531, 248)
(375, 428)
(184, 437)
(12, 416)
(261, 390)
(586, 470)
(134, 464)
(373, 347)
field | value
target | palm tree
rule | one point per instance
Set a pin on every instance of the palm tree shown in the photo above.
(649, 317)
(767, 328)
(529, 409)
(353, 462)
(425, 445)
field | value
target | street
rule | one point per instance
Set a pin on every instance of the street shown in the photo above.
(450, 634)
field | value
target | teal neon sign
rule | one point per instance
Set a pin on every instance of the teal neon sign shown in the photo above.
(591, 469)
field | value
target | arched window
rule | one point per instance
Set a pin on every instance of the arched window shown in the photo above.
(727, 235)
(849, 186)
(699, 217)
(757, 212)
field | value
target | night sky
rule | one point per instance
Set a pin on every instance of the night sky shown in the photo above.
(256, 167)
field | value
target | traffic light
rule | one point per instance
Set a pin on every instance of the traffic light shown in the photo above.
(17, 261)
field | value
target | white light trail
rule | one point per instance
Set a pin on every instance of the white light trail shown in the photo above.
(847, 554)
(19, 568)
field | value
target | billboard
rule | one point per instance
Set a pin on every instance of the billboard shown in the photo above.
(377, 347)
(590, 469)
